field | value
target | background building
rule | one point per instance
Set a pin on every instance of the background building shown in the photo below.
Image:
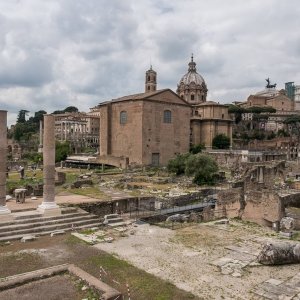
(80, 129)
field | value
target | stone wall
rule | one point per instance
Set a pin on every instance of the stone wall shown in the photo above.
(254, 197)
(144, 132)
(230, 202)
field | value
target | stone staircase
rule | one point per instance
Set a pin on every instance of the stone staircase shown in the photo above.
(33, 223)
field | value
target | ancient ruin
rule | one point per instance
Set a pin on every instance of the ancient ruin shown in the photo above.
(4, 211)
(48, 205)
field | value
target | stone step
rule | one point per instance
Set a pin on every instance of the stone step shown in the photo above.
(37, 218)
(54, 227)
(115, 220)
(16, 226)
(43, 233)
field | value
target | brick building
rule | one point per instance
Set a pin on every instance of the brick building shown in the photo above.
(152, 127)
(147, 128)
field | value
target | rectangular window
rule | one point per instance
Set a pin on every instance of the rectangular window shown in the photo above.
(167, 116)
(123, 117)
(155, 159)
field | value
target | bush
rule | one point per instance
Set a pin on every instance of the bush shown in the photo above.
(177, 165)
(197, 148)
(221, 141)
(62, 150)
(203, 167)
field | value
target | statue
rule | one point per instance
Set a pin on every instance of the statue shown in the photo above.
(269, 86)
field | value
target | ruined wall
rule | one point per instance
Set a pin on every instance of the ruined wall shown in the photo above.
(254, 198)
(263, 207)
(230, 202)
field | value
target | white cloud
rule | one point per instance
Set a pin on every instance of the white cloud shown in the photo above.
(74, 52)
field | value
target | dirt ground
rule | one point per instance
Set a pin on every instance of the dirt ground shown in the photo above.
(56, 287)
(48, 251)
(187, 257)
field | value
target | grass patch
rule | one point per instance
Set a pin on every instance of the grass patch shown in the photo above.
(73, 240)
(142, 284)
(296, 236)
(87, 231)
(92, 192)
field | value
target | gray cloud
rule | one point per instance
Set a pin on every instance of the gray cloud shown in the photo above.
(73, 52)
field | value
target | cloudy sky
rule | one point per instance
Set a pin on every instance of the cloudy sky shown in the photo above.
(57, 53)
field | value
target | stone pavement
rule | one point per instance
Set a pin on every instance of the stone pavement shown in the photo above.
(238, 257)
(274, 289)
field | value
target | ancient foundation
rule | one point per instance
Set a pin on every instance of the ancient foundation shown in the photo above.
(5, 213)
(48, 205)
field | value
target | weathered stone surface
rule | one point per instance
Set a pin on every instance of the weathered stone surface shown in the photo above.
(280, 253)
(80, 183)
(287, 223)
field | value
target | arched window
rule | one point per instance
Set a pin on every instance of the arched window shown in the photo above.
(192, 97)
(148, 78)
(167, 116)
(123, 117)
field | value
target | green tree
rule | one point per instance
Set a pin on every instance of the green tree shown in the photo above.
(261, 109)
(294, 124)
(62, 150)
(38, 116)
(68, 109)
(23, 131)
(71, 109)
(221, 141)
(197, 148)
(271, 135)
(237, 111)
(282, 133)
(177, 164)
(22, 116)
(203, 167)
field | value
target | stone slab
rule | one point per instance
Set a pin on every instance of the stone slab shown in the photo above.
(58, 232)
(28, 238)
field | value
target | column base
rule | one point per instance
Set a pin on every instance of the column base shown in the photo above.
(5, 214)
(49, 209)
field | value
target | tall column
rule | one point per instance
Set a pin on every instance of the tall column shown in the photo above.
(48, 205)
(61, 131)
(4, 211)
(41, 137)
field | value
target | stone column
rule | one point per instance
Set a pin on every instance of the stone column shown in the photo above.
(41, 137)
(4, 211)
(61, 131)
(66, 130)
(48, 205)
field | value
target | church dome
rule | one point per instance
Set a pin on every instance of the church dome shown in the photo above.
(192, 76)
(191, 86)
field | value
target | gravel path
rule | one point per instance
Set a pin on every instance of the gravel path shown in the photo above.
(155, 250)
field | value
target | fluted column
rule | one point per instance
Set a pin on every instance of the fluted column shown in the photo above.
(48, 205)
(4, 211)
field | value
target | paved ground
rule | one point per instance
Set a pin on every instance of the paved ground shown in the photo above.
(60, 199)
(210, 262)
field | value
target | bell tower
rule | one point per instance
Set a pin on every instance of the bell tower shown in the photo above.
(150, 81)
